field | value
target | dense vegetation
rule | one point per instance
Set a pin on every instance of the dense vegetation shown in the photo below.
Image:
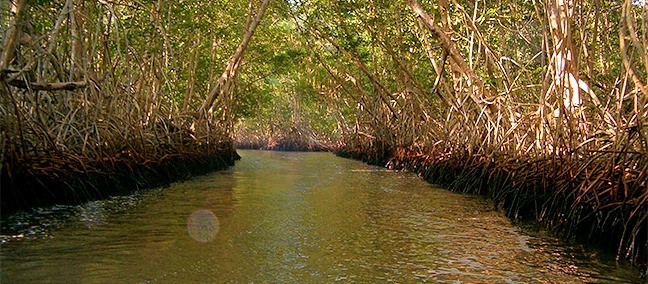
(540, 104)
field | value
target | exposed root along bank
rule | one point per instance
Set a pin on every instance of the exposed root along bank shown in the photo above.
(588, 199)
(69, 179)
(290, 140)
(283, 145)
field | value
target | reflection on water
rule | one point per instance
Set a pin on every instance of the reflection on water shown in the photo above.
(291, 217)
(92, 214)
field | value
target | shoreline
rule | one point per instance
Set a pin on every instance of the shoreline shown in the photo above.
(75, 179)
(543, 191)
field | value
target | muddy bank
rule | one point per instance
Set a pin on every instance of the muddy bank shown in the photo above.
(69, 179)
(586, 200)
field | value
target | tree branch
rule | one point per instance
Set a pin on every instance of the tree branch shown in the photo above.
(69, 86)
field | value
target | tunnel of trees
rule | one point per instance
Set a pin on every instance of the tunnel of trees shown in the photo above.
(539, 104)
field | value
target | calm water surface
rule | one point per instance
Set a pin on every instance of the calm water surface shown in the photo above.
(291, 218)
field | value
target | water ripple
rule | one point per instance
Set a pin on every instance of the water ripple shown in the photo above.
(292, 218)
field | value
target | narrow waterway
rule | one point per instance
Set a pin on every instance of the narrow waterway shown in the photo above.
(291, 218)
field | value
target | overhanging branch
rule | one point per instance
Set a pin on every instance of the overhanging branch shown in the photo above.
(69, 86)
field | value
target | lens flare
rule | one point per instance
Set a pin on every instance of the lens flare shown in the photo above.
(202, 225)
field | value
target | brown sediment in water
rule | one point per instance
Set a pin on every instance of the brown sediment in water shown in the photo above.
(72, 179)
(587, 199)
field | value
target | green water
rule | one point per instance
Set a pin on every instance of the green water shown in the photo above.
(291, 218)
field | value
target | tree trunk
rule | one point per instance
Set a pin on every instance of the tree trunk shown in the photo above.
(565, 69)
(457, 61)
(226, 80)
(565, 64)
(11, 38)
(191, 77)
